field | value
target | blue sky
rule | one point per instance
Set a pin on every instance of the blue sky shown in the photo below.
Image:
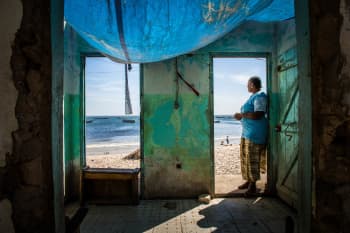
(105, 95)
(230, 82)
(104, 87)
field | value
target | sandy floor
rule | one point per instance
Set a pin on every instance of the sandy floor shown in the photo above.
(226, 159)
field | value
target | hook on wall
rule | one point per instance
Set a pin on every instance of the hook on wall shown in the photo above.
(179, 76)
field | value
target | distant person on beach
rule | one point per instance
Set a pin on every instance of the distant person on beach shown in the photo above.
(254, 134)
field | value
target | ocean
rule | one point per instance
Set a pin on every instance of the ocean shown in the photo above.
(122, 133)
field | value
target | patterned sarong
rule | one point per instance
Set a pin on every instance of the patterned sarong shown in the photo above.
(250, 159)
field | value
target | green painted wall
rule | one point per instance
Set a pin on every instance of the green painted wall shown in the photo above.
(250, 37)
(73, 100)
(177, 148)
(178, 153)
(176, 141)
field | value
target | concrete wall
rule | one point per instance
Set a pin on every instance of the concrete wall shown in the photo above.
(330, 26)
(10, 19)
(74, 50)
(25, 95)
(177, 142)
(11, 14)
(251, 37)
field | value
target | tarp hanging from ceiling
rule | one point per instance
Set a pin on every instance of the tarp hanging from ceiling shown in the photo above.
(154, 30)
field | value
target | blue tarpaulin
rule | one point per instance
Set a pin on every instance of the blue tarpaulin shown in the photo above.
(153, 30)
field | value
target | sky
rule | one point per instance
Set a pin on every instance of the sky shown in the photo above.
(230, 82)
(105, 85)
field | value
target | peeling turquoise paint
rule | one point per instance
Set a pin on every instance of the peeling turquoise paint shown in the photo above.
(72, 109)
(73, 116)
(248, 37)
(288, 100)
(175, 128)
(161, 122)
(178, 142)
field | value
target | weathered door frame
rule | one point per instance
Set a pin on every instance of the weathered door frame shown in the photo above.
(271, 176)
(304, 202)
(82, 91)
(142, 140)
(57, 61)
(287, 102)
(83, 57)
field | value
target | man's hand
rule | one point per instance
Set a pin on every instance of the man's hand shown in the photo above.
(237, 116)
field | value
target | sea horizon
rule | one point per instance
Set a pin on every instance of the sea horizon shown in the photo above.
(121, 133)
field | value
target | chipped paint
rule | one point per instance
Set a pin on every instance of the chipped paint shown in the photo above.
(177, 151)
(74, 122)
(177, 143)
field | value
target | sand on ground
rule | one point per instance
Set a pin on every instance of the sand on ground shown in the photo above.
(227, 159)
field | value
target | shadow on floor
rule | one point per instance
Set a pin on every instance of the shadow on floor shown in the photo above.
(221, 215)
(227, 185)
(247, 215)
(163, 215)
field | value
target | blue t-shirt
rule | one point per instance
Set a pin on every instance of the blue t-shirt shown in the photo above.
(255, 130)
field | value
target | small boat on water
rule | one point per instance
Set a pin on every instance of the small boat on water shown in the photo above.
(89, 121)
(216, 121)
(128, 121)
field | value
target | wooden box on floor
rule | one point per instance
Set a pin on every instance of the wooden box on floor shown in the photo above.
(110, 186)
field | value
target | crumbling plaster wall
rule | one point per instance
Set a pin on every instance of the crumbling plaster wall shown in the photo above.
(10, 19)
(330, 57)
(27, 178)
(11, 14)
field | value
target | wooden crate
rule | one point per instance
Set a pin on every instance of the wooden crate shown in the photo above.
(110, 186)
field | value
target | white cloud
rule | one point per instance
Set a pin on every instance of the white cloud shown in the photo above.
(240, 79)
(220, 76)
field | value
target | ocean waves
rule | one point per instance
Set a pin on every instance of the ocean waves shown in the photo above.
(113, 131)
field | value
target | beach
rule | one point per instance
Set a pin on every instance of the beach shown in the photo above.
(227, 161)
(111, 139)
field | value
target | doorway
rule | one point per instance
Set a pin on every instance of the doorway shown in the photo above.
(305, 172)
(230, 77)
(112, 119)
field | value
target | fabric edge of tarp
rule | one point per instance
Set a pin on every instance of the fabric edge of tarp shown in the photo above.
(257, 16)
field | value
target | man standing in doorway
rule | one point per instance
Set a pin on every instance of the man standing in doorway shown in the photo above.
(254, 134)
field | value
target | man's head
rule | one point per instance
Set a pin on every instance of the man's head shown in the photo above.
(254, 84)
